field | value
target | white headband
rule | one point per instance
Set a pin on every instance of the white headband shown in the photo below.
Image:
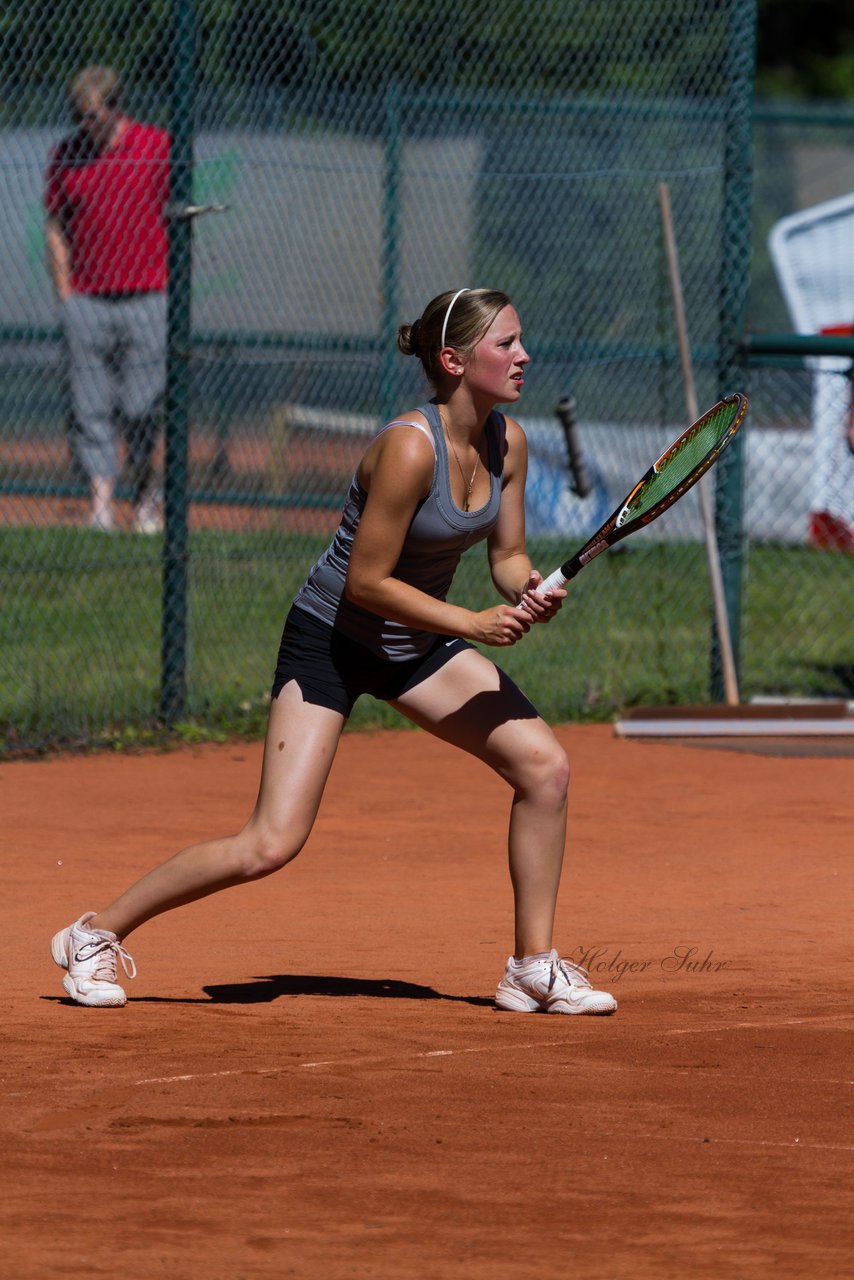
(447, 314)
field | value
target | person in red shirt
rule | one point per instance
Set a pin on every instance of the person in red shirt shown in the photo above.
(106, 191)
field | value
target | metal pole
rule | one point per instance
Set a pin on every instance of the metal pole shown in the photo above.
(721, 621)
(735, 278)
(173, 670)
(391, 252)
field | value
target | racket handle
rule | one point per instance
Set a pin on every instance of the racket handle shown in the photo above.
(556, 579)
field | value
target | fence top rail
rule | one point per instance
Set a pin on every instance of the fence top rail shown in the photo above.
(798, 344)
(837, 114)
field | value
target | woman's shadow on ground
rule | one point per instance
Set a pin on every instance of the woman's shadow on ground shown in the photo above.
(263, 990)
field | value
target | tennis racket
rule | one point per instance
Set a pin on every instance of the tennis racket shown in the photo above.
(678, 468)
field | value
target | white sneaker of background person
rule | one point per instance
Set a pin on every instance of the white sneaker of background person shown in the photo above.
(148, 516)
(91, 956)
(546, 984)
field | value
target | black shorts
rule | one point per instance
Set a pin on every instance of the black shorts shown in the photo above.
(333, 671)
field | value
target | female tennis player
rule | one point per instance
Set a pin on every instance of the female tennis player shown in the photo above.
(373, 617)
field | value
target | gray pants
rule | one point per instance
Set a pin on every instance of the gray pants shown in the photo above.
(117, 376)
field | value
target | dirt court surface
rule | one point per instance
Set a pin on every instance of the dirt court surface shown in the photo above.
(309, 1079)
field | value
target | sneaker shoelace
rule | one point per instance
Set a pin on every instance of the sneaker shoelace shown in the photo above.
(105, 952)
(574, 974)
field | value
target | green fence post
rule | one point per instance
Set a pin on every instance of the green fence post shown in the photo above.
(735, 280)
(173, 669)
(391, 248)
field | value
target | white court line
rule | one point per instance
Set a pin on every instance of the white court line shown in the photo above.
(550, 1044)
(342, 1062)
(513, 1048)
(759, 1026)
(202, 1075)
(740, 1142)
(796, 1142)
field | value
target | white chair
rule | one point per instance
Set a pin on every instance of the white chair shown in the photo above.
(813, 256)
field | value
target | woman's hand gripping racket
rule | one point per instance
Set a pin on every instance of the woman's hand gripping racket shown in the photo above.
(678, 468)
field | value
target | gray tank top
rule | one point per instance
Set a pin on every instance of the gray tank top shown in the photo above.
(438, 535)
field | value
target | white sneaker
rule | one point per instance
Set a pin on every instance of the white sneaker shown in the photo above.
(547, 984)
(148, 516)
(102, 522)
(90, 955)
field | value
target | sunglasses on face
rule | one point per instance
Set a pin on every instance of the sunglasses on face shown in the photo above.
(91, 117)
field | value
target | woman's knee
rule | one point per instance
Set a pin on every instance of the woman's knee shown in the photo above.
(263, 852)
(542, 771)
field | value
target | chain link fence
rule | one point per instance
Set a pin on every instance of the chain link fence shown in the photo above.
(331, 167)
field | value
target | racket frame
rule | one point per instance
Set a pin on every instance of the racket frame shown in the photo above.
(612, 531)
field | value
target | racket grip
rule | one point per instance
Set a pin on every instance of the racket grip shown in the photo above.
(556, 579)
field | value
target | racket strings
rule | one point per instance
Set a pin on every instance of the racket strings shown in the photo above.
(681, 461)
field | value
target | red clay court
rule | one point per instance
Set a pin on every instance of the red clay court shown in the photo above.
(310, 1081)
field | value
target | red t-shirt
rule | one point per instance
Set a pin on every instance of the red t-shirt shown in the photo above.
(111, 205)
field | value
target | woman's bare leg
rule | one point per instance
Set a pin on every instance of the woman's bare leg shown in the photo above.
(471, 704)
(298, 754)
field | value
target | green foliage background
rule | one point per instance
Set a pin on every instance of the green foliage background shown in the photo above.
(805, 47)
(283, 43)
